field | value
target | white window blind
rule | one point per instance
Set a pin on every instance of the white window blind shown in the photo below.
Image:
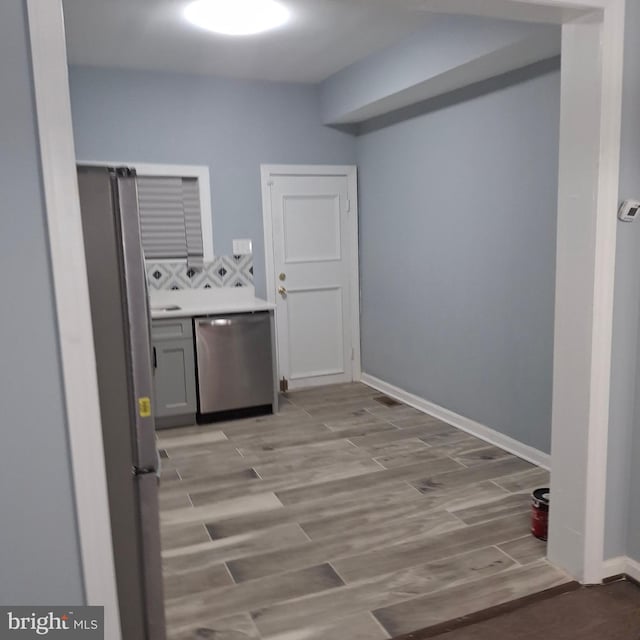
(170, 218)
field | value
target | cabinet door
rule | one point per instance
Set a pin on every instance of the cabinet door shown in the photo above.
(175, 383)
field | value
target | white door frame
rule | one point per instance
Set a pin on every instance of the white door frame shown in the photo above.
(270, 171)
(592, 271)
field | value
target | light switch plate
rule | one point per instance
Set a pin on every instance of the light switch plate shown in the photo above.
(242, 247)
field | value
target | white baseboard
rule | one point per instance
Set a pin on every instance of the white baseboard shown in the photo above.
(633, 569)
(470, 426)
(619, 565)
(614, 566)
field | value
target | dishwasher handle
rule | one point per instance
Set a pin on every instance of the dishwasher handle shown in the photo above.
(230, 322)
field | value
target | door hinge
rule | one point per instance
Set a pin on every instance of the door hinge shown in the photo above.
(353, 354)
(284, 385)
(347, 205)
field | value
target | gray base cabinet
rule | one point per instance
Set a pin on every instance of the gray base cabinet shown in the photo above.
(175, 400)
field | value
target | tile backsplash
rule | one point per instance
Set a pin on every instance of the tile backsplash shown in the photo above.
(223, 271)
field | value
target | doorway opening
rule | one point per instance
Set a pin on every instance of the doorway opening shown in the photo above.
(591, 89)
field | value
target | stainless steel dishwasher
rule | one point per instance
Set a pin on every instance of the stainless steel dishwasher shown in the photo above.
(235, 366)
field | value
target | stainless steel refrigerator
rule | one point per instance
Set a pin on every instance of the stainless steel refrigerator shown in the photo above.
(121, 321)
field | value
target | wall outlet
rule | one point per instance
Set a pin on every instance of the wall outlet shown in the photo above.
(242, 247)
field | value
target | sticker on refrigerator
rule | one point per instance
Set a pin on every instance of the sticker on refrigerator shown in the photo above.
(144, 407)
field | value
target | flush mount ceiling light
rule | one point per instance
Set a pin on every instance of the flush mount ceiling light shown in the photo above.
(236, 17)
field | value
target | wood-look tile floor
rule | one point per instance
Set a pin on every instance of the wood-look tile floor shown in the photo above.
(341, 518)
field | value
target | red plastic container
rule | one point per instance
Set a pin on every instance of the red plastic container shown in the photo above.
(540, 512)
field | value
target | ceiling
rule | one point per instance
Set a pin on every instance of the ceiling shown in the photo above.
(322, 37)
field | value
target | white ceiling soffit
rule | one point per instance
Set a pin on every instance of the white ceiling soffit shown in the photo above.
(322, 37)
(502, 9)
(534, 48)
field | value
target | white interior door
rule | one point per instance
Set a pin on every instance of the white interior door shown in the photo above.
(312, 277)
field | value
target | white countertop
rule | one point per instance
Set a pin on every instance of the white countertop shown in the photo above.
(201, 302)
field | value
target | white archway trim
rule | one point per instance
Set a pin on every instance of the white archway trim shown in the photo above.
(53, 108)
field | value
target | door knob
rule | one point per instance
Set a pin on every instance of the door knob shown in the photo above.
(282, 291)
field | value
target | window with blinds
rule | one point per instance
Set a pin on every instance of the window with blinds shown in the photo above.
(170, 218)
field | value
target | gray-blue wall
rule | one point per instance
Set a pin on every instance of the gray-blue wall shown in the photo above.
(230, 125)
(623, 488)
(458, 226)
(39, 553)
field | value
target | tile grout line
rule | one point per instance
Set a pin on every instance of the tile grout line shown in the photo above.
(453, 515)
(344, 582)
(420, 494)
(226, 566)
(379, 624)
(379, 464)
(518, 563)
(259, 635)
(306, 535)
(458, 462)
(493, 481)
